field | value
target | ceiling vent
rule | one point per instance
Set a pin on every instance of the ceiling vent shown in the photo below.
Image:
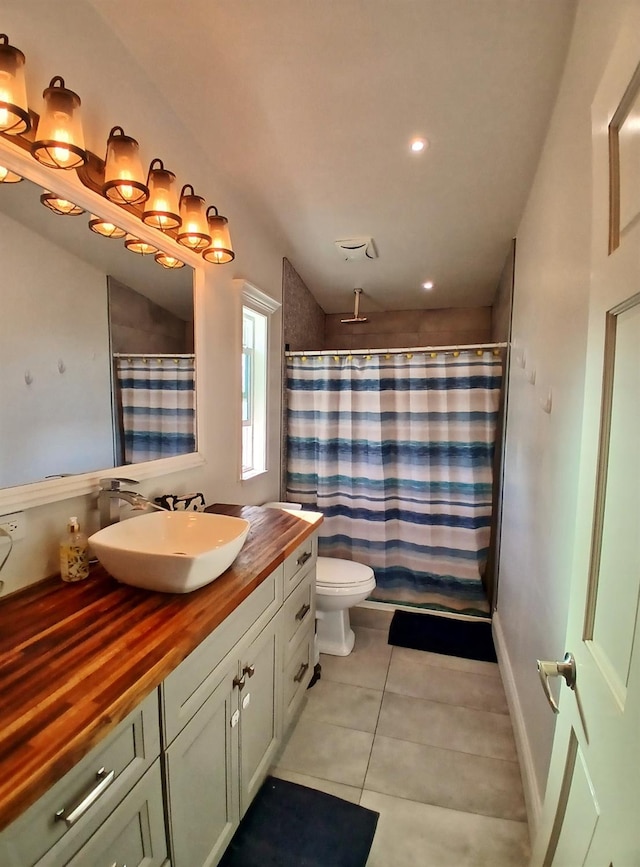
(357, 249)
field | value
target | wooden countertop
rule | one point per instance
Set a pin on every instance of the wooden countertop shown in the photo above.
(75, 659)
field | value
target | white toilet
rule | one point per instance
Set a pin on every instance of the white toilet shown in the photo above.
(340, 584)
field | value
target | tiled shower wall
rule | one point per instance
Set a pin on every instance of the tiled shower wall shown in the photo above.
(399, 328)
(303, 318)
(137, 324)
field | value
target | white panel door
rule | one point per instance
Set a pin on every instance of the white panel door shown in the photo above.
(591, 812)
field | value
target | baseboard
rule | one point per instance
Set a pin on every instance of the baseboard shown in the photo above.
(532, 798)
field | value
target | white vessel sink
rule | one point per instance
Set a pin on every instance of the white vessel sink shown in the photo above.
(174, 552)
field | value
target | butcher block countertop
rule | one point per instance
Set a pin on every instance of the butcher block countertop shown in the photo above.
(75, 659)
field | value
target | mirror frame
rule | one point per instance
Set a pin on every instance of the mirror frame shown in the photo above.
(67, 184)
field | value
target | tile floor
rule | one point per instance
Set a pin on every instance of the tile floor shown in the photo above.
(423, 739)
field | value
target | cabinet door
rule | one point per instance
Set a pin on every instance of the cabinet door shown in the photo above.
(134, 834)
(259, 712)
(202, 780)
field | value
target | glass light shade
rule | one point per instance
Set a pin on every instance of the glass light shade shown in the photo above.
(59, 141)
(8, 177)
(124, 180)
(193, 233)
(220, 250)
(168, 261)
(137, 245)
(60, 206)
(161, 208)
(105, 228)
(14, 112)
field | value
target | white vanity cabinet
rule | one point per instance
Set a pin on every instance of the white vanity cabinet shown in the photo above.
(170, 784)
(116, 786)
(221, 754)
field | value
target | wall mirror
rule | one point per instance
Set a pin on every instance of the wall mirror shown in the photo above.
(96, 349)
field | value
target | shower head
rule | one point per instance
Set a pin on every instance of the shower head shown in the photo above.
(356, 309)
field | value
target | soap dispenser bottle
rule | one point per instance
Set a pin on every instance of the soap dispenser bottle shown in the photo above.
(74, 553)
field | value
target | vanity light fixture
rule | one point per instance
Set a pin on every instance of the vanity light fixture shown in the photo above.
(168, 261)
(59, 141)
(14, 112)
(8, 177)
(220, 250)
(137, 245)
(60, 206)
(123, 172)
(105, 228)
(161, 209)
(194, 233)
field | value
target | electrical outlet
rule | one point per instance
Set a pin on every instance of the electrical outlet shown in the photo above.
(15, 525)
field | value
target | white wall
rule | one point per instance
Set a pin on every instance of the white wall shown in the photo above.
(549, 327)
(70, 39)
(54, 309)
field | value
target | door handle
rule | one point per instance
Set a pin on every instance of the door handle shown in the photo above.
(566, 669)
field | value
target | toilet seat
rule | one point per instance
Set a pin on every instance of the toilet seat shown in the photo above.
(335, 576)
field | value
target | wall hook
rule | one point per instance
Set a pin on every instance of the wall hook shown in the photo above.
(27, 377)
(61, 366)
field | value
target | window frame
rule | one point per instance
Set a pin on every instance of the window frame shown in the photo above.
(259, 304)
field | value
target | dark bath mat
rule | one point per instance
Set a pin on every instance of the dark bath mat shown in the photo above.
(469, 638)
(288, 825)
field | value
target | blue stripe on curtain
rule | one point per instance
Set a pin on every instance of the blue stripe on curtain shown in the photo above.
(397, 453)
(157, 406)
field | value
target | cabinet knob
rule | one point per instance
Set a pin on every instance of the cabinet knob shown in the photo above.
(249, 670)
(239, 682)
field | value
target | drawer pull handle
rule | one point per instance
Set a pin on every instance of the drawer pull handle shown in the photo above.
(306, 608)
(70, 815)
(301, 672)
(239, 682)
(304, 557)
(249, 670)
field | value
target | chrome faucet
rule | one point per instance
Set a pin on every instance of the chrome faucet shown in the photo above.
(111, 495)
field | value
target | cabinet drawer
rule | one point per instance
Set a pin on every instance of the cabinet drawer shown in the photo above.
(123, 756)
(298, 564)
(297, 676)
(297, 612)
(187, 688)
(134, 833)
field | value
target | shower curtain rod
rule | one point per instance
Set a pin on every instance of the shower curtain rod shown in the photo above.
(462, 347)
(154, 355)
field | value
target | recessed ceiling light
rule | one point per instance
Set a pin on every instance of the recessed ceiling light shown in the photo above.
(427, 285)
(418, 145)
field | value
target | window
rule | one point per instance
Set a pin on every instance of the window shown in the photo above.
(257, 308)
(254, 392)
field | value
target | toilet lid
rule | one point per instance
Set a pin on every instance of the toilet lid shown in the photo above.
(331, 572)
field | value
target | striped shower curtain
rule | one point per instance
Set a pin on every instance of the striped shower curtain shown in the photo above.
(396, 450)
(156, 405)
